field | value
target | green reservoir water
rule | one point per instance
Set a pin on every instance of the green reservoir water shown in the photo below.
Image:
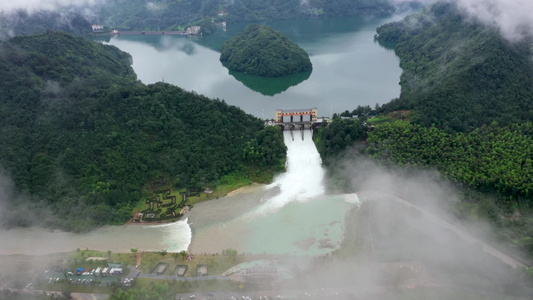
(349, 68)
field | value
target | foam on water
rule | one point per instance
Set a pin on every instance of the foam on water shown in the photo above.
(304, 179)
(178, 235)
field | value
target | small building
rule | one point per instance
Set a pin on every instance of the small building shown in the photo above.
(115, 271)
(194, 30)
(97, 28)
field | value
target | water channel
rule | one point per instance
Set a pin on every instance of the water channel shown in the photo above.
(349, 69)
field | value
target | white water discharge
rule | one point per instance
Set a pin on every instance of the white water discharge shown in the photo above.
(304, 179)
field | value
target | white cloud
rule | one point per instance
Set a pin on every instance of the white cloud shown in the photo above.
(8, 6)
(512, 17)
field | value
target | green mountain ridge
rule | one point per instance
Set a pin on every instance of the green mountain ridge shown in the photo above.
(459, 74)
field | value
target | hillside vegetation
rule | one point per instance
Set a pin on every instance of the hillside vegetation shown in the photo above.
(459, 74)
(82, 137)
(260, 50)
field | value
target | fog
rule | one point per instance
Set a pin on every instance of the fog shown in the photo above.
(405, 243)
(37, 5)
(511, 17)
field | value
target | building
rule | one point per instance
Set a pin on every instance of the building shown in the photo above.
(194, 30)
(310, 114)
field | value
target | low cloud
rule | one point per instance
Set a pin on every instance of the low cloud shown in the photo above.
(511, 17)
(37, 5)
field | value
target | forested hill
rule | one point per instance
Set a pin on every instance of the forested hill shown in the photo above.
(459, 74)
(82, 137)
(260, 50)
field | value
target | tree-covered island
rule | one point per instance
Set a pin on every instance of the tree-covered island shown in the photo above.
(260, 50)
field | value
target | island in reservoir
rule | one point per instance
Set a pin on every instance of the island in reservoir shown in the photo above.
(260, 50)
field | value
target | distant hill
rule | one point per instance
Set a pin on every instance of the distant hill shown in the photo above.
(459, 74)
(82, 137)
(260, 50)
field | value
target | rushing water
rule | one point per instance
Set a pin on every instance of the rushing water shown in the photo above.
(349, 68)
(290, 216)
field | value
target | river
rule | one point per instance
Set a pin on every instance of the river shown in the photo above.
(290, 216)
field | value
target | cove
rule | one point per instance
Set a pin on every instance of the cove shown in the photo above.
(349, 68)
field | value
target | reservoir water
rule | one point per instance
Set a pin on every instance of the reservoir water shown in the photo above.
(349, 68)
(292, 215)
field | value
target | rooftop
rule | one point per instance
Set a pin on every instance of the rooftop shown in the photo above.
(296, 109)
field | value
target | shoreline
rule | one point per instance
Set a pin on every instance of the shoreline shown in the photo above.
(238, 191)
(33, 238)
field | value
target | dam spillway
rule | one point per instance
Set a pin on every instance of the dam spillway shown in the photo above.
(304, 178)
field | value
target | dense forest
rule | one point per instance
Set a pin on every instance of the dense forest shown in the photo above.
(80, 135)
(459, 74)
(260, 50)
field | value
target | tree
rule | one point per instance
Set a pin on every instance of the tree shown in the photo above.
(175, 255)
(184, 255)
(133, 251)
(163, 253)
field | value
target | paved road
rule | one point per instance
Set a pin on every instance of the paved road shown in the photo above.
(170, 277)
(369, 195)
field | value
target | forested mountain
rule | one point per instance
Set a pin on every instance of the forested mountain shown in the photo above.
(260, 50)
(82, 137)
(459, 74)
